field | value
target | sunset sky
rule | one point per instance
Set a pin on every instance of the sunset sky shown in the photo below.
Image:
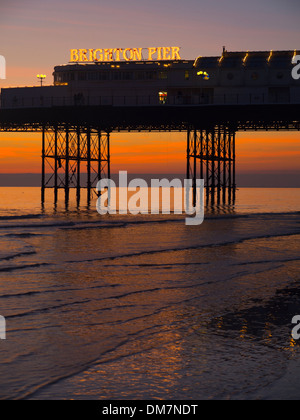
(36, 35)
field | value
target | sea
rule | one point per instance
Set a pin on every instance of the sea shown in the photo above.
(144, 307)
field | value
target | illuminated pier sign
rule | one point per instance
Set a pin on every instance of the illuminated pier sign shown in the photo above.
(127, 54)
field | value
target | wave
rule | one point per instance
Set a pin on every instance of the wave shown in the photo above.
(66, 290)
(22, 267)
(193, 247)
(120, 221)
(19, 254)
(30, 391)
(34, 226)
(22, 216)
(166, 265)
(47, 309)
(284, 260)
(21, 235)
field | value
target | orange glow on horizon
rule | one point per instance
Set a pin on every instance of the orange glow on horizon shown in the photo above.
(160, 152)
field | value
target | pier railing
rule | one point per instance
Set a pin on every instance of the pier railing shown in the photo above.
(41, 101)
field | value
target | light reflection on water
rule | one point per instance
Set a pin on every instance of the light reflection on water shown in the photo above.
(248, 200)
(144, 306)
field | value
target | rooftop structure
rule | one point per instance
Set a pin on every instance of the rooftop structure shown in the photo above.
(258, 77)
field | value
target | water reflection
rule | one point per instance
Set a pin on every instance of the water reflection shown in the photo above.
(160, 201)
(147, 308)
(268, 321)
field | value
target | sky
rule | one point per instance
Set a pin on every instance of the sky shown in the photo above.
(36, 35)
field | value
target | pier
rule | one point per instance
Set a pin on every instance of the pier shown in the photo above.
(212, 99)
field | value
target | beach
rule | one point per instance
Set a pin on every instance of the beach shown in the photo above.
(145, 307)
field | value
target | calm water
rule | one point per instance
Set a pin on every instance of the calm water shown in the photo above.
(145, 307)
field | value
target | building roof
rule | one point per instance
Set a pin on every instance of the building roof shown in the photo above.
(248, 59)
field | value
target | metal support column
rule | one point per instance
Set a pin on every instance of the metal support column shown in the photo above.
(64, 148)
(88, 160)
(55, 165)
(214, 149)
(67, 161)
(43, 166)
(78, 154)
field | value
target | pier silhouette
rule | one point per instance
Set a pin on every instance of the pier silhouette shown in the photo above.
(246, 91)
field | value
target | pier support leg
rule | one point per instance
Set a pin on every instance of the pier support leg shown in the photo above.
(64, 149)
(214, 150)
(43, 167)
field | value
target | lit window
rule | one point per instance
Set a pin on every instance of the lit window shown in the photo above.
(163, 75)
(163, 96)
(203, 74)
(187, 75)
